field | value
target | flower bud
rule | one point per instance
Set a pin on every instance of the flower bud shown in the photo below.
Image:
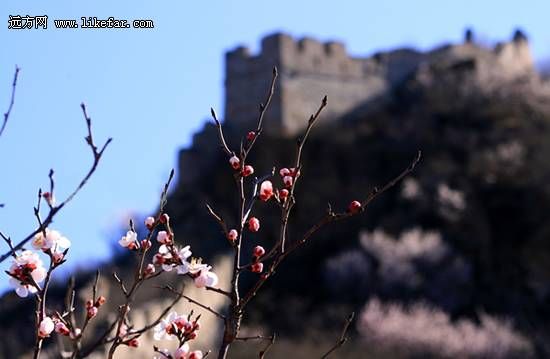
(76, 333)
(181, 352)
(58, 257)
(284, 172)
(232, 235)
(46, 327)
(354, 207)
(254, 224)
(251, 136)
(197, 354)
(164, 218)
(258, 251)
(100, 301)
(145, 244)
(235, 162)
(133, 343)
(91, 312)
(288, 180)
(163, 237)
(247, 171)
(266, 190)
(49, 198)
(283, 194)
(149, 222)
(89, 303)
(257, 267)
(149, 270)
(62, 329)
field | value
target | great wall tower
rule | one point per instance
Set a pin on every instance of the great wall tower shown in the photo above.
(309, 69)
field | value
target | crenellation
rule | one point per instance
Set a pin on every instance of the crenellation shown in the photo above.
(310, 69)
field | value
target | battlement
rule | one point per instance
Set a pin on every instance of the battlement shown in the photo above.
(309, 69)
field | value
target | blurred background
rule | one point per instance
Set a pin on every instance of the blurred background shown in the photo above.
(452, 262)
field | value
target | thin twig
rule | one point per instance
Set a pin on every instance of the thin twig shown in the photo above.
(256, 337)
(54, 210)
(12, 101)
(219, 219)
(343, 337)
(220, 133)
(191, 300)
(266, 349)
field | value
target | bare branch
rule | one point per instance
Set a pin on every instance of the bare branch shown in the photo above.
(12, 101)
(272, 341)
(220, 133)
(191, 300)
(54, 209)
(343, 337)
(219, 219)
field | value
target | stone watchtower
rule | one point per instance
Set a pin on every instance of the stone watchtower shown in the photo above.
(308, 70)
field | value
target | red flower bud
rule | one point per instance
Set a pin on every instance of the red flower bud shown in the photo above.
(164, 218)
(235, 162)
(283, 194)
(254, 224)
(284, 172)
(134, 343)
(247, 171)
(91, 312)
(251, 135)
(232, 235)
(288, 180)
(145, 244)
(354, 207)
(100, 301)
(257, 267)
(258, 251)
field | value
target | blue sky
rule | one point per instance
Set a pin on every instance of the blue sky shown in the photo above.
(152, 89)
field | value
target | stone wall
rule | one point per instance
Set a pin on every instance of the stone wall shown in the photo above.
(310, 69)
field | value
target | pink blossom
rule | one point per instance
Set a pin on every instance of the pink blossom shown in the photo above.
(149, 222)
(129, 240)
(283, 194)
(25, 270)
(163, 237)
(206, 279)
(52, 240)
(181, 352)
